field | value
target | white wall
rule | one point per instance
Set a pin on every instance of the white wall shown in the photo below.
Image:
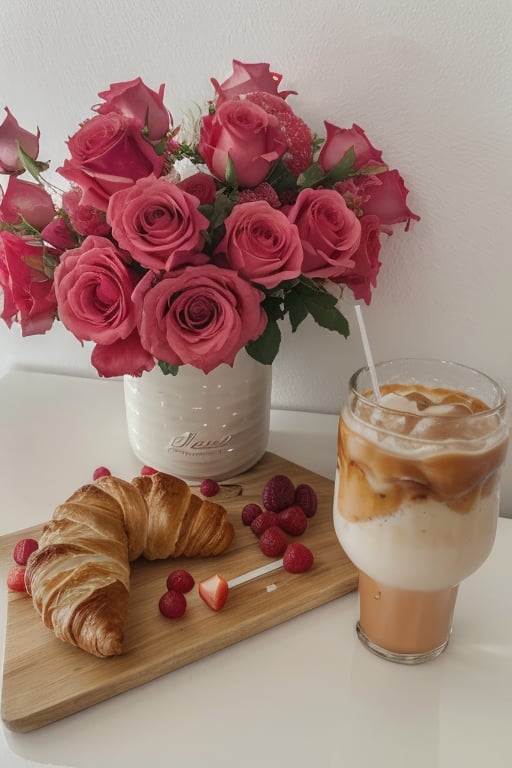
(429, 82)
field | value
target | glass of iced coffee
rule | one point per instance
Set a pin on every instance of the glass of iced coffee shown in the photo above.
(416, 497)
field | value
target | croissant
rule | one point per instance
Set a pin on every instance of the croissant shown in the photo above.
(79, 578)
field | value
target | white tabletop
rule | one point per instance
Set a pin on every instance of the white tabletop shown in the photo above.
(305, 693)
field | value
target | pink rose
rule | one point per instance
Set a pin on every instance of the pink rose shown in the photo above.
(28, 200)
(261, 244)
(387, 200)
(158, 223)
(198, 316)
(108, 153)
(57, 234)
(202, 186)
(330, 232)
(247, 78)
(339, 140)
(10, 134)
(84, 219)
(383, 195)
(366, 267)
(135, 100)
(93, 285)
(28, 295)
(125, 356)
(247, 135)
(356, 191)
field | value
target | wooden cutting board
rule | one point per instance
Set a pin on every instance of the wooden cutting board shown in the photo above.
(44, 679)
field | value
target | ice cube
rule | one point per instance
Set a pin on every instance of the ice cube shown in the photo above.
(449, 409)
(401, 403)
(423, 428)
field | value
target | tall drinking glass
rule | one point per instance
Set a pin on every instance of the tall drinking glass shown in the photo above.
(416, 498)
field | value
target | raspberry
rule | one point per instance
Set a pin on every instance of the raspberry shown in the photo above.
(16, 578)
(299, 153)
(145, 470)
(209, 488)
(173, 604)
(292, 520)
(262, 192)
(278, 493)
(306, 498)
(262, 522)
(297, 558)
(273, 541)
(101, 472)
(180, 580)
(271, 103)
(23, 550)
(250, 512)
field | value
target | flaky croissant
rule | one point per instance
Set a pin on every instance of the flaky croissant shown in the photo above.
(79, 577)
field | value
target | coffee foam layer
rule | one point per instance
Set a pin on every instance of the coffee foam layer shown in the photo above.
(419, 547)
(388, 457)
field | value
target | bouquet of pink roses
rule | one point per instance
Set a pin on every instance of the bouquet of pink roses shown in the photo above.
(174, 249)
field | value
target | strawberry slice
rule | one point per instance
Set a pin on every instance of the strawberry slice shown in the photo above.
(214, 592)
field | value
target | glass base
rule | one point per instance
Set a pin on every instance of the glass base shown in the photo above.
(399, 658)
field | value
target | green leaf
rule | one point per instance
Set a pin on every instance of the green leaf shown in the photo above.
(372, 170)
(217, 214)
(307, 282)
(281, 288)
(343, 169)
(27, 229)
(273, 306)
(296, 308)
(30, 164)
(231, 179)
(219, 211)
(311, 176)
(265, 349)
(322, 308)
(314, 175)
(281, 179)
(49, 264)
(207, 209)
(161, 146)
(317, 143)
(168, 369)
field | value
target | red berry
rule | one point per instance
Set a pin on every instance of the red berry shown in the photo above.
(297, 558)
(305, 497)
(23, 550)
(145, 470)
(16, 578)
(173, 604)
(278, 493)
(292, 520)
(209, 487)
(262, 522)
(101, 472)
(273, 541)
(180, 580)
(250, 512)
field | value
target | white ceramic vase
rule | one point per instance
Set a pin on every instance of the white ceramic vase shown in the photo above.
(196, 425)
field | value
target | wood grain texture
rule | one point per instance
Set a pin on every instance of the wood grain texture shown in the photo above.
(44, 679)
